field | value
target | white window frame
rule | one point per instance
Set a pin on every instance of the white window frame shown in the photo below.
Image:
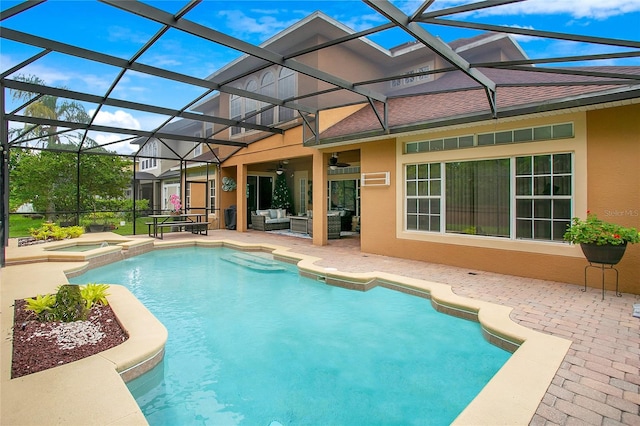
(212, 196)
(148, 154)
(513, 196)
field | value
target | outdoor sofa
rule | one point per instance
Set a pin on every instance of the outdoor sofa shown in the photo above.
(269, 220)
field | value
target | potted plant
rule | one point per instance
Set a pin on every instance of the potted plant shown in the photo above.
(177, 204)
(600, 241)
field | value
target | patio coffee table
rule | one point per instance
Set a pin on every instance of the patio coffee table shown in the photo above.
(299, 224)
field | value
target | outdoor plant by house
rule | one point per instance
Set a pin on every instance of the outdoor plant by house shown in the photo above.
(95, 293)
(41, 306)
(601, 242)
(50, 230)
(70, 303)
(175, 201)
(596, 231)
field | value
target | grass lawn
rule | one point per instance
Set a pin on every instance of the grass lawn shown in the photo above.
(141, 227)
(19, 226)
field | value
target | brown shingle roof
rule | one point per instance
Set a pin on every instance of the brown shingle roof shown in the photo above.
(456, 96)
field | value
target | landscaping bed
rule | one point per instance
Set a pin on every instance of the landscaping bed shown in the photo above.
(39, 345)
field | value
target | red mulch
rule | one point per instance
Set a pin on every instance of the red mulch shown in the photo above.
(32, 353)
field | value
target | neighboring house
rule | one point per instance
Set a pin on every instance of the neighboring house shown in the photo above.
(159, 169)
(445, 182)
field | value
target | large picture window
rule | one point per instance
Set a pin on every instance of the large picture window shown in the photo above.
(477, 197)
(286, 90)
(268, 88)
(526, 197)
(246, 108)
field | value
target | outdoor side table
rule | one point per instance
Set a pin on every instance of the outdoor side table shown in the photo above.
(299, 224)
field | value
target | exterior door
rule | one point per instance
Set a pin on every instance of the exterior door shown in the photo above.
(259, 194)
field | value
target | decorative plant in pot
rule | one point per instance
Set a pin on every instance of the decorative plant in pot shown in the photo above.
(601, 242)
(177, 205)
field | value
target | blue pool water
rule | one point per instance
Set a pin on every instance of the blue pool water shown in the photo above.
(255, 347)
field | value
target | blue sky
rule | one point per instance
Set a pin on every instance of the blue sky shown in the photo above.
(94, 25)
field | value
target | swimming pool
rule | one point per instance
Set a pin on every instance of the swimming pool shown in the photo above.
(81, 247)
(253, 346)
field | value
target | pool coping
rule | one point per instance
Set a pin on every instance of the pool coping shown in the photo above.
(510, 397)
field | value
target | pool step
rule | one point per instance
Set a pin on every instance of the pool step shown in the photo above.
(254, 262)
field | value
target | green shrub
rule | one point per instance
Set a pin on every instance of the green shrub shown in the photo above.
(69, 306)
(74, 231)
(94, 293)
(41, 306)
(70, 303)
(51, 230)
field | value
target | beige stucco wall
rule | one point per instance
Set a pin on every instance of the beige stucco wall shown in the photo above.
(607, 179)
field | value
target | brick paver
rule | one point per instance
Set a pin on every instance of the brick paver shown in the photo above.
(598, 382)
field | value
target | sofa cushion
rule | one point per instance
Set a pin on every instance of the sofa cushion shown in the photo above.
(264, 213)
(278, 220)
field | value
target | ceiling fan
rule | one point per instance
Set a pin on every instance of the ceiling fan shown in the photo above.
(334, 163)
(280, 169)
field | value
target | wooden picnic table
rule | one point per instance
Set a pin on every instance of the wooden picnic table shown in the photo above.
(185, 221)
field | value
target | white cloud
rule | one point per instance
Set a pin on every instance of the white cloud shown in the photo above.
(522, 38)
(118, 118)
(119, 147)
(596, 9)
(263, 27)
(362, 22)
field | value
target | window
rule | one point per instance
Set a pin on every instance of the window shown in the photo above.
(423, 196)
(148, 155)
(251, 105)
(212, 195)
(532, 134)
(410, 79)
(543, 196)
(477, 197)
(267, 88)
(302, 197)
(526, 197)
(286, 90)
(242, 108)
(235, 113)
(198, 148)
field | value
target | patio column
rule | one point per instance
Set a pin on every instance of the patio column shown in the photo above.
(241, 198)
(320, 208)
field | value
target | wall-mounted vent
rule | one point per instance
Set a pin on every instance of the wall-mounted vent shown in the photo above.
(375, 179)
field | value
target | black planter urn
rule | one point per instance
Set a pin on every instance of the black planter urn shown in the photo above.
(607, 254)
(95, 227)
